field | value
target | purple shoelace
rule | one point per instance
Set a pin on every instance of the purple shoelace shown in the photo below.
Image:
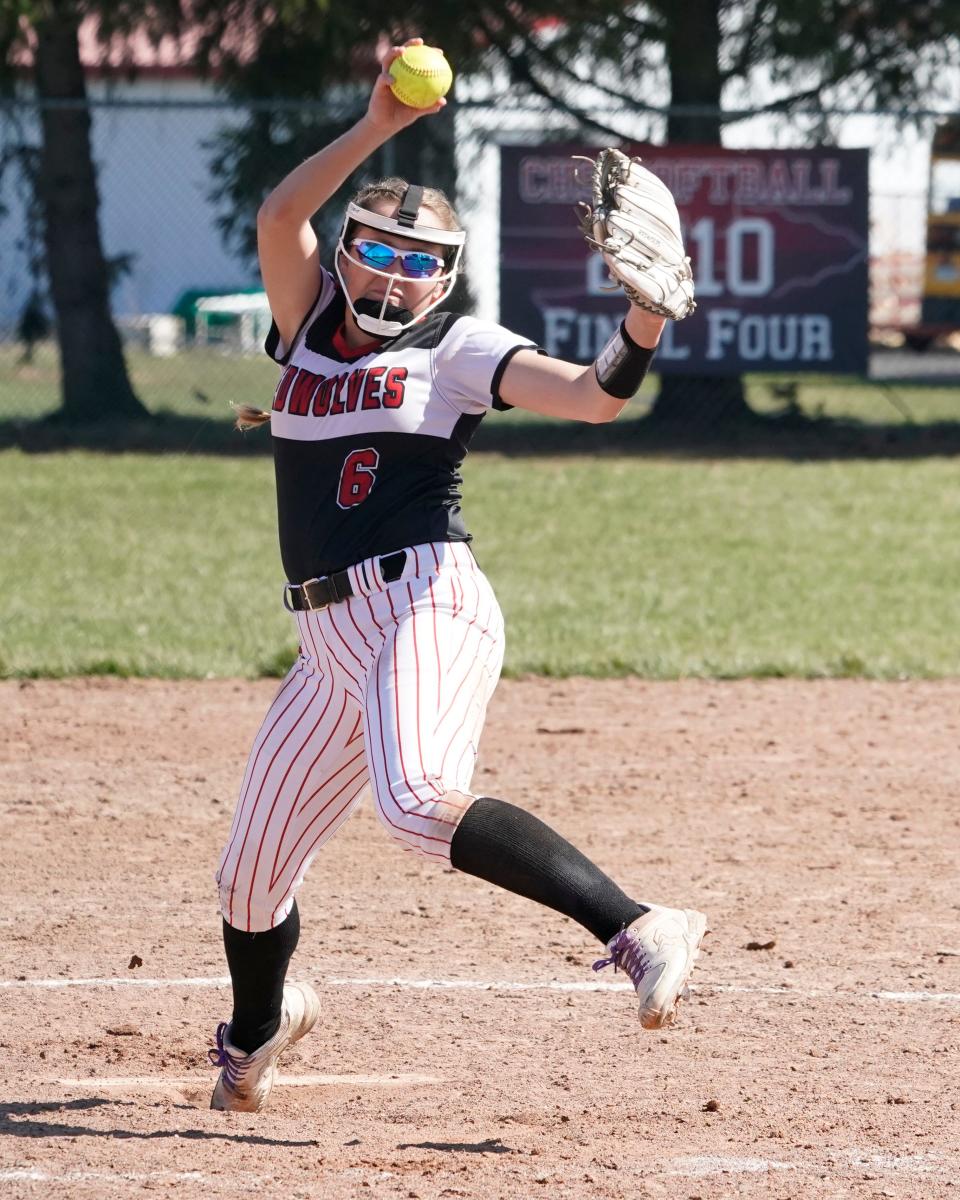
(626, 955)
(221, 1057)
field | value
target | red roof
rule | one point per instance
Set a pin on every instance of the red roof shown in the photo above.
(136, 53)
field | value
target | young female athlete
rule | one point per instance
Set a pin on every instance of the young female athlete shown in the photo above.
(401, 637)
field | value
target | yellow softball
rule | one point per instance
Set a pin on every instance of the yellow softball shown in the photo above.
(421, 75)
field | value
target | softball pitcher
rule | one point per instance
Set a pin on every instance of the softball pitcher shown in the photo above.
(401, 636)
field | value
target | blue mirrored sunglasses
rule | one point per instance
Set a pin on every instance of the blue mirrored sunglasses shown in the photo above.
(416, 263)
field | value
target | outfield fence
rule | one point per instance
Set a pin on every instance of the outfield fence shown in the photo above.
(179, 181)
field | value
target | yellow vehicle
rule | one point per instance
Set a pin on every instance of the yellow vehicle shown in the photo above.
(940, 305)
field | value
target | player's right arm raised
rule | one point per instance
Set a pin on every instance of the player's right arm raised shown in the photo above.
(286, 244)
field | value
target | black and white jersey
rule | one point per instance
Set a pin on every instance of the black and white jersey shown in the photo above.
(368, 441)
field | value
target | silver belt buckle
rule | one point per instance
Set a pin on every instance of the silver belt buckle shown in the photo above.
(307, 606)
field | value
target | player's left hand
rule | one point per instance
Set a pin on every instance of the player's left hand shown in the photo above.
(384, 110)
(633, 222)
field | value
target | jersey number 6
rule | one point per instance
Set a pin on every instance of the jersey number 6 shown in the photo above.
(358, 476)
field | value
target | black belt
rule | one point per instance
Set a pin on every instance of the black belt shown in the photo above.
(330, 589)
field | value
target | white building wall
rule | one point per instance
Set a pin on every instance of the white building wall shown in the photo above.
(154, 180)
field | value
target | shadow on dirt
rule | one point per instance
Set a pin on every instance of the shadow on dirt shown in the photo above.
(490, 1146)
(15, 1122)
(791, 436)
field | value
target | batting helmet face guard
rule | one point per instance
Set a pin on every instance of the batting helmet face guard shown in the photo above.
(379, 317)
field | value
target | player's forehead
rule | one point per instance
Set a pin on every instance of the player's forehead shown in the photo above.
(390, 208)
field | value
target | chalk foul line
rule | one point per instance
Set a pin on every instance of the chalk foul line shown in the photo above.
(490, 985)
(684, 1167)
(204, 1081)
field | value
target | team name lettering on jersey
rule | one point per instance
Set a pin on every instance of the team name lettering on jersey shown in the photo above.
(368, 447)
(302, 393)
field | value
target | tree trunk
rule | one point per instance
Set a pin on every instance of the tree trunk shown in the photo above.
(94, 381)
(693, 58)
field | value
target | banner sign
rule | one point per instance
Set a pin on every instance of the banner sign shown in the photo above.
(778, 240)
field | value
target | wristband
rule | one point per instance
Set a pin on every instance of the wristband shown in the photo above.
(621, 365)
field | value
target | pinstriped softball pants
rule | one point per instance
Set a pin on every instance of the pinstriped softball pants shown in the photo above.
(390, 689)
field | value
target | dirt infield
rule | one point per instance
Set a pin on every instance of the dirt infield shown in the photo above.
(465, 1047)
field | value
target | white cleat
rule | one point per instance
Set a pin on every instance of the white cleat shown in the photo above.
(246, 1080)
(658, 952)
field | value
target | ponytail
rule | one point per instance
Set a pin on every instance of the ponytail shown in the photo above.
(248, 417)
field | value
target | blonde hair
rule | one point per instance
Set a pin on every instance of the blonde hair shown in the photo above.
(395, 188)
(392, 188)
(247, 417)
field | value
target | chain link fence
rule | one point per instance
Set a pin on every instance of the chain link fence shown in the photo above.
(177, 181)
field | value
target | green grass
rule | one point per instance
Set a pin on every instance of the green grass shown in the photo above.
(131, 564)
(723, 569)
(200, 383)
(167, 565)
(203, 382)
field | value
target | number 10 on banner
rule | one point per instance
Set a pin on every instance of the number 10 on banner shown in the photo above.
(747, 267)
(736, 260)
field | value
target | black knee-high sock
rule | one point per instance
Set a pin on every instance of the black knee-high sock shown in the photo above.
(503, 844)
(258, 966)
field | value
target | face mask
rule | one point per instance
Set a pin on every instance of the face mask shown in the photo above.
(379, 317)
(373, 310)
